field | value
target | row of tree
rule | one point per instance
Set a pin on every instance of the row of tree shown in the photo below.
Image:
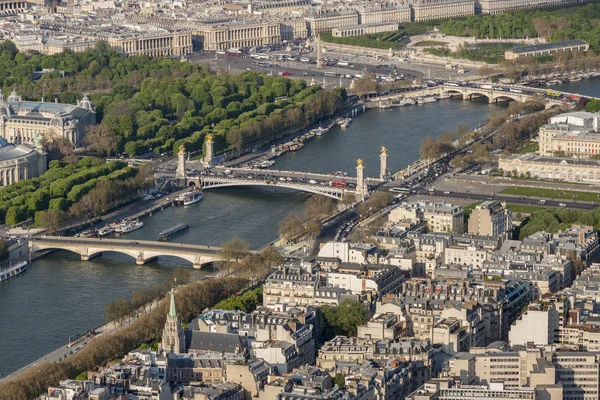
(308, 223)
(565, 23)
(542, 67)
(190, 300)
(89, 187)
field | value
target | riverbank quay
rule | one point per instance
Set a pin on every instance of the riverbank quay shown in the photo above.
(69, 349)
(30, 382)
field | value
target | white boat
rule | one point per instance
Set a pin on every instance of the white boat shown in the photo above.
(407, 101)
(106, 230)
(193, 197)
(189, 198)
(320, 131)
(426, 99)
(444, 96)
(131, 226)
(13, 270)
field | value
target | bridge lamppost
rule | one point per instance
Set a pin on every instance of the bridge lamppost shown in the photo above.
(180, 173)
(210, 151)
(361, 188)
(383, 168)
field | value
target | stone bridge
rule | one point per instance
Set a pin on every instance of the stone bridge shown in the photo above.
(494, 95)
(142, 251)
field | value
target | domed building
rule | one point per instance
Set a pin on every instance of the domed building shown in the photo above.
(30, 121)
(19, 162)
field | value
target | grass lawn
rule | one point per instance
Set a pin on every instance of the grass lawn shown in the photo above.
(530, 148)
(523, 178)
(552, 194)
(523, 209)
(428, 43)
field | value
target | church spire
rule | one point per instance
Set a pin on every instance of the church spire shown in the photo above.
(172, 310)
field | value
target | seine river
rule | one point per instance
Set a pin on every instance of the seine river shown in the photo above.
(60, 295)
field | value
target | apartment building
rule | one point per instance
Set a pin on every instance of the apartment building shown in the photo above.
(573, 134)
(538, 325)
(490, 218)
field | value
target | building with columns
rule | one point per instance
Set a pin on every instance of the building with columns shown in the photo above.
(557, 168)
(424, 10)
(19, 162)
(573, 134)
(384, 12)
(500, 6)
(10, 7)
(154, 45)
(364, 29)
(31, 121)
(235, 35)
(326, 20)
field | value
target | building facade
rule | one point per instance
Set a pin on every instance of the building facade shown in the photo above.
(155, 45)
(18, 162)
(490, 219)
(30, 121)
(423, 10)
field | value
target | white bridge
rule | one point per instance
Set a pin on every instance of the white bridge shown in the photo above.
(322, 188)
(327, 185)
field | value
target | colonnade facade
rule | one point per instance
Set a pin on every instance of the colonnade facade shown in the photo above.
(10, 7)
(156, 46)
(235, 36)
(542, 167)
(437, 9)
(30, 165)
(374, 16)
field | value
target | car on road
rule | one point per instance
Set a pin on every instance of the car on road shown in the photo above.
(562, 204)
(447, 192)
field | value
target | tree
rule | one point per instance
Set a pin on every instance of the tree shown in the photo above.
(52, 220)
(234, 249)
(253, 266)
(271, 257)
(318, 207)
(292, 226)
(343, 319)
(101, 139)
(117, 311)
(181, 276)
(340, 380)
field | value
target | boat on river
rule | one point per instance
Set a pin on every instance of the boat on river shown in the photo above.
(320, 131)
(105, 231)
(13, 270)
(189, 198)
(129, 226)
(426, 99)
(172, 231)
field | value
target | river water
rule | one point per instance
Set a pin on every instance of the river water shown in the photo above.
(60, 295)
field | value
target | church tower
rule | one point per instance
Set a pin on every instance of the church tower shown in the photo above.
(173, 338)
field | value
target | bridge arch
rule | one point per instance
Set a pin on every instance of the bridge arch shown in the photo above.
(468, 95)
(328, 191)
(506, 96)
(141, 253)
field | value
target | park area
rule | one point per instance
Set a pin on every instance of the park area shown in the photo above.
(552, 194)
